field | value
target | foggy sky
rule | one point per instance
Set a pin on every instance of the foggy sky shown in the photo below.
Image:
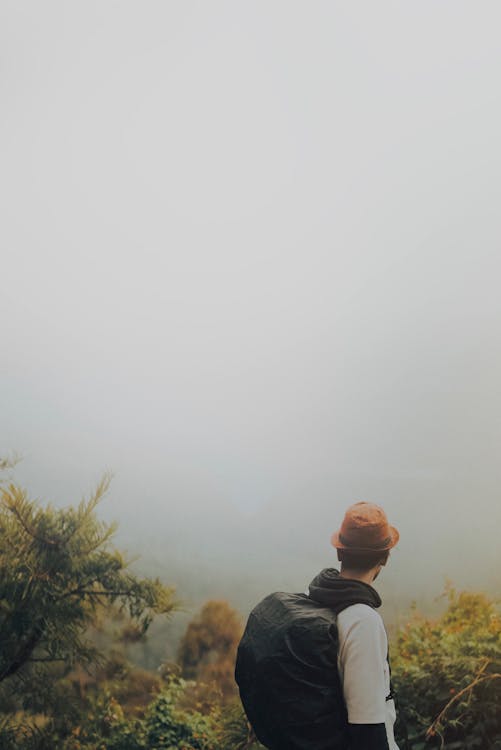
(250, 261)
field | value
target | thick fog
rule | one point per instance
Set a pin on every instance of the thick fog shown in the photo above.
(250, 262)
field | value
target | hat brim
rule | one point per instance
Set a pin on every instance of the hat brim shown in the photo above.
(394, 537)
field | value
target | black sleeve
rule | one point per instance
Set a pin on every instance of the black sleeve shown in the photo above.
(368, 737)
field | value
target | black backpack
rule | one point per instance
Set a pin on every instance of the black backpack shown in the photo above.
(286, 670)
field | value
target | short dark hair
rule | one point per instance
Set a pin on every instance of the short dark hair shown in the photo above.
(362, 560)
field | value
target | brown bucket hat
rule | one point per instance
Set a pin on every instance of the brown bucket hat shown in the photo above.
(365, 528)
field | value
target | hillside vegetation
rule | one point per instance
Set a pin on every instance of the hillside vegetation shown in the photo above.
(70, 610)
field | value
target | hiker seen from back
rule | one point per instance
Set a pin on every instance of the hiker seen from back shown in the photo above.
(312, 668)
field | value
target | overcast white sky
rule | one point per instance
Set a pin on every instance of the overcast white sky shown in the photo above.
(246, 245)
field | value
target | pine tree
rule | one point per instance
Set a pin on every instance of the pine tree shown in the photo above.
(59, 572)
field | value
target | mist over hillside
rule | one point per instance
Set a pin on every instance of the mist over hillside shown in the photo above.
(226, 553)
(209, 547)
(252, 267)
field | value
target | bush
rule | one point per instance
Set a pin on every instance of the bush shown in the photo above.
(168, 728)
(164, 726)
(447, 676)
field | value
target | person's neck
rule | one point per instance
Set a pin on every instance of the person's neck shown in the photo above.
(357, 575)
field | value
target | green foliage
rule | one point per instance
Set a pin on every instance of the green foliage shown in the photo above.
(447, 676)
(102, 725)
(164, 726)
(58, 574)
(168, 728)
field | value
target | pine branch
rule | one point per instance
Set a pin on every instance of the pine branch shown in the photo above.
(12, 498)
(24, 653)
(87, 508)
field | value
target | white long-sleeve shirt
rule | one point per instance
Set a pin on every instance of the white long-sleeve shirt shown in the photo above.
(364, 670)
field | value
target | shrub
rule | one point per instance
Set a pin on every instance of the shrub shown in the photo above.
(447, 676)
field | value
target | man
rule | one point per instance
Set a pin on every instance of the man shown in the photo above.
(363, 546)
(312, 668)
